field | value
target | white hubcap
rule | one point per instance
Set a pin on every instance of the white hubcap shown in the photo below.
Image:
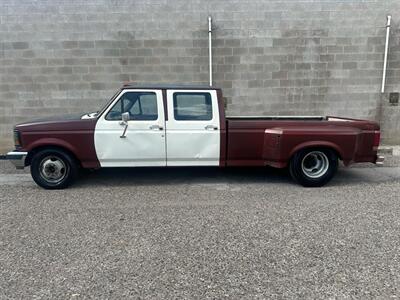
(315, 164)
(53, 169)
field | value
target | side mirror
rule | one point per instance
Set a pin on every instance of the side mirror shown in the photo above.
(125, 117)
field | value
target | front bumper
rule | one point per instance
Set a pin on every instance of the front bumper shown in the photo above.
(17, 158)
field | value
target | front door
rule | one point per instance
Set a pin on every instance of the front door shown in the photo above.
(143, 143)
(193, 133)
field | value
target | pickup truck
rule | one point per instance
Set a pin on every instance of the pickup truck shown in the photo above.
(164, 126)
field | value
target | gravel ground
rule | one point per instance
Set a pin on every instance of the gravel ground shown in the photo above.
(201, 233)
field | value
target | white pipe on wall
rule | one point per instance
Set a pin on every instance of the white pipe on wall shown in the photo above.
(389, 18)
(210, 49)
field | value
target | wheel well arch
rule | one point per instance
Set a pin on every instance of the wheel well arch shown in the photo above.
(37, 149)
(325, 146)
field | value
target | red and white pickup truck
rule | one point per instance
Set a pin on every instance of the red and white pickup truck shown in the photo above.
(146, 126)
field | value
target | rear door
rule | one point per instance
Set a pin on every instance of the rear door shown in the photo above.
(193, 132)
(143, 143)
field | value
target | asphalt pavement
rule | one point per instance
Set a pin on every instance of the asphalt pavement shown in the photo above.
(201, 233)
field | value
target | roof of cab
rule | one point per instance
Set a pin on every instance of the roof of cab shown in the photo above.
(164, 86)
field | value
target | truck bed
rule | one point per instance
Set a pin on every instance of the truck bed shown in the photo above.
(272, 140)
(315, 118)
(297, 118)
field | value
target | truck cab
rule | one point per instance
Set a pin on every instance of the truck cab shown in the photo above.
(145, 127)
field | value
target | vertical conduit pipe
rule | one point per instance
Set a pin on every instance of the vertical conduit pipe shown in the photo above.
(210, 49)
(389, 18)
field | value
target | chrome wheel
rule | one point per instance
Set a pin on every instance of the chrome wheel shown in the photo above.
(53, 169)
(315, 164)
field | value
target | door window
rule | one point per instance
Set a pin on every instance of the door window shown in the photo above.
(192, 106)
(142, 106)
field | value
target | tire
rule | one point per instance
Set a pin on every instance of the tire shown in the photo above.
(313, 167)
(53, 169)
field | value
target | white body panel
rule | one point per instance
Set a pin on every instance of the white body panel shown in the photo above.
(144, 144)
(189, 142)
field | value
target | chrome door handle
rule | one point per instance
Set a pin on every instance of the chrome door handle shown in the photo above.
(211, 127)
(156, 127)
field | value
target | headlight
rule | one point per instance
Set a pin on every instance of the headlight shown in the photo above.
(17, 139)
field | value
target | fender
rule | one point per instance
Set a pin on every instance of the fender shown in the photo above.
(53, 142)
(84, 154)
(317, 144)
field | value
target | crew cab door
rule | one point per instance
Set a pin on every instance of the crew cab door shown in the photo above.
(143, 143)
(193, 128)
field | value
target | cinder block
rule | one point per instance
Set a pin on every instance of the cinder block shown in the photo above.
(145, 52)
(20, 45)
(303, 66)
(86, 44)
(64, 70)
(112, 52)
(349, 65)
(98, 86)
(69, 44)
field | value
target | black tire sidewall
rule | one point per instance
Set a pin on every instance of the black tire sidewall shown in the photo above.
(65, 157)
(298, 175)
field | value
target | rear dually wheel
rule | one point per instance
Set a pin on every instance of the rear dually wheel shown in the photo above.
(313, 167)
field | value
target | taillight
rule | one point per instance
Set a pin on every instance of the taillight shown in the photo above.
(377, 139)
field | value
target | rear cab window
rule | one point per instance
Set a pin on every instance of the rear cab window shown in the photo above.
(192, 106)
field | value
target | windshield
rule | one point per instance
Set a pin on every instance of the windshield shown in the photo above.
(108, 103)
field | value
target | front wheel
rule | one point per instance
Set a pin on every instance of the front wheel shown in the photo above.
(313, 167)
(53, 169)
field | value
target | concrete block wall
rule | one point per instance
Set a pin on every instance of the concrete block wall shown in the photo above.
(287, 57)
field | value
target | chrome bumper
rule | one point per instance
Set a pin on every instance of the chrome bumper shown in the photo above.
(379, 160)
(17, 158)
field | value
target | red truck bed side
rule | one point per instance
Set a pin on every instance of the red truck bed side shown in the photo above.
(273, 141)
